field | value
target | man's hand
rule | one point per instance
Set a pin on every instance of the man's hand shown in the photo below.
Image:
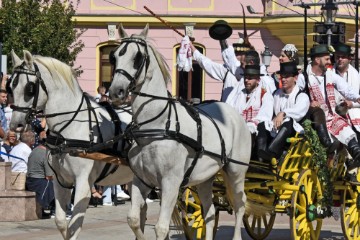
(315, 104)
(278, 120)
(193, 48)
(347, 104)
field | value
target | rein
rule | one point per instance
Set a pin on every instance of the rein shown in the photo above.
(55, 142)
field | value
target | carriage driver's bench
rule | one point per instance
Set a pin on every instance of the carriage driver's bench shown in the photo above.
(15, 205)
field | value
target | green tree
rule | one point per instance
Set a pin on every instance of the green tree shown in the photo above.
(43, 27)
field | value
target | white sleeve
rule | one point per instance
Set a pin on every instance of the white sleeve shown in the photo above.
(299, 110)
(213, 69)
(230, 59)
(301, 81)
(268, 83)
(267, 108)
(344, 88)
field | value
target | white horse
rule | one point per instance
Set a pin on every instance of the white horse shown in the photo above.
(43, 83)
(175, 146)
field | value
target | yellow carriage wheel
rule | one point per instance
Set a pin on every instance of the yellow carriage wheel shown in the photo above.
(258, 226)
(193, 221)
(350, 212)
(303, 221)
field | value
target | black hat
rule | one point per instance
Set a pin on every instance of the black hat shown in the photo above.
(321, 49)
(342, 48)
(220, 30)
(252, 70)
(288, 68)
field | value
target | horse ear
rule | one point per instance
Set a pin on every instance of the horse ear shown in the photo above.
(122, 32)
(15, 59)
(28, 58)
(144, 32)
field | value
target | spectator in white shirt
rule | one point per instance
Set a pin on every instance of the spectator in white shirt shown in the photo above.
(20, 153)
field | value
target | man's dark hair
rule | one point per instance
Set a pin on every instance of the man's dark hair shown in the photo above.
(3, 91)
(252, 57)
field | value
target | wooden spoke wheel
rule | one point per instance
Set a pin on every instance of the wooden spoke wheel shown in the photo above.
(350, 212)
(259, 226)
(192, 219)
(304, 223)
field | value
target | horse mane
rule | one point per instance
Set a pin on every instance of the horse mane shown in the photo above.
(58, 69)
(164, 67)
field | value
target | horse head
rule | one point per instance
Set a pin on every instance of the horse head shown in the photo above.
(28, 89)
(131, 62)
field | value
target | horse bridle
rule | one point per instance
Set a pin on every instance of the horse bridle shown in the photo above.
(32, 89)
(141, 60)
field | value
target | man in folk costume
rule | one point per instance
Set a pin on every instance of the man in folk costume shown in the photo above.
(252, 58)
(233, 56)
(253, 102)
(349, 74)
(290, 107)
(322, 84)
(217, 71)
(289, 53)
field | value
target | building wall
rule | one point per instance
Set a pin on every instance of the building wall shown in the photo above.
(95, 15)
(273, 26)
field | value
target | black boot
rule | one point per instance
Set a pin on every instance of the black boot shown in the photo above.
(223, 44)
(354, 150)
(325, 140)
(277, 145)
(261, 147)
(262, 140)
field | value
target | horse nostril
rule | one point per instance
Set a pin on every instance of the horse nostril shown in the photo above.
(121, 92)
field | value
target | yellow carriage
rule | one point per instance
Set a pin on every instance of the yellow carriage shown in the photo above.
(294, 186)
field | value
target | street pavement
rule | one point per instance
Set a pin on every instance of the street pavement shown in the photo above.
(109, 222)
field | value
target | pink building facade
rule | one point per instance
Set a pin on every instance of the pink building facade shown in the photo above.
(272, 24)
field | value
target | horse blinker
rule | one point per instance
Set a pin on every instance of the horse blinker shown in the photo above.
(30, 89)
(138, 60)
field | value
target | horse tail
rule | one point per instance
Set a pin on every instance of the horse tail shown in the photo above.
(257, 209)
(177, 219)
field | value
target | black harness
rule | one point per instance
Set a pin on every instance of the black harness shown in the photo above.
(55, 142)
(32, 89)
(133, 130)
(141, 60)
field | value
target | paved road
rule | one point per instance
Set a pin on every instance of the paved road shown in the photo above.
(109, 222)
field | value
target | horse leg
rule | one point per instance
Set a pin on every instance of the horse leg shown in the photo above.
(62, 197)
(81, 202)
(235, 181)
(137, 212)
(208, 210)
(169, 194)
